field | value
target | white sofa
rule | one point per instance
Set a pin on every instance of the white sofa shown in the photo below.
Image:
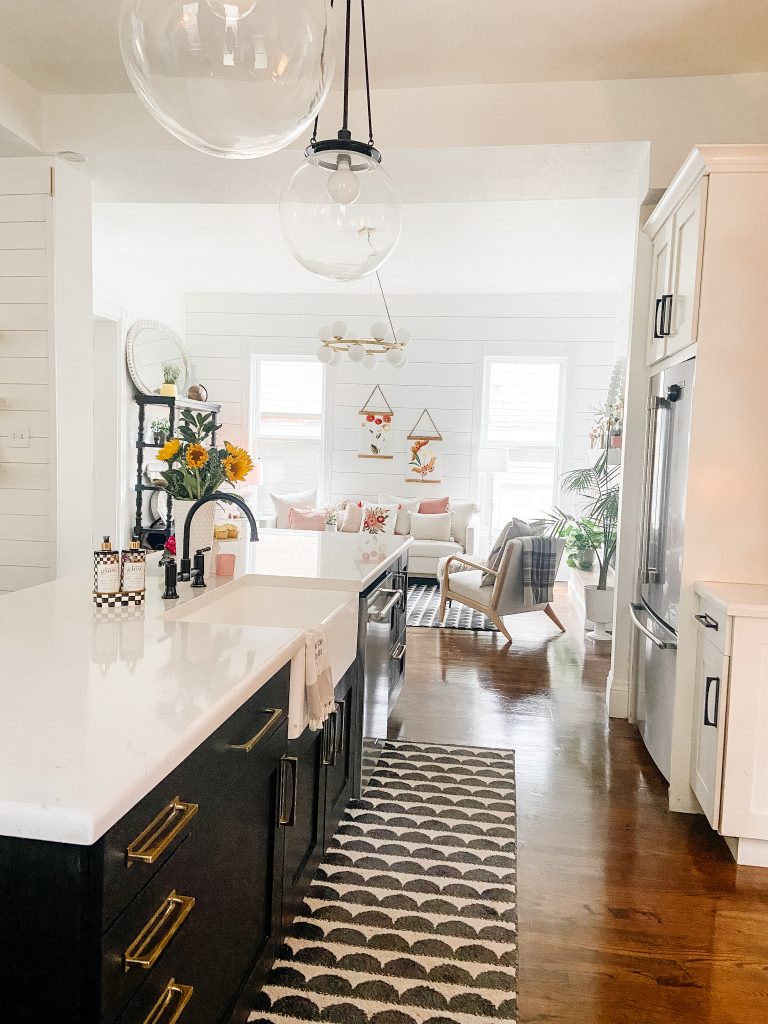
(425, 555)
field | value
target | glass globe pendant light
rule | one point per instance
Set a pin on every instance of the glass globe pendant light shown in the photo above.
(340, 214)
(232, 78)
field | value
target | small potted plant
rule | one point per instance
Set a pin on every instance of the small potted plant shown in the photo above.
(171, 374)
(160, 431)
(331, 519)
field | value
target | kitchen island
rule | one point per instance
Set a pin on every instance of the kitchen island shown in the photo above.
(160, 816)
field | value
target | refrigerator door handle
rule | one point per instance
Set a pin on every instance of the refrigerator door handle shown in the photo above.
(663, 645)
(648, 574)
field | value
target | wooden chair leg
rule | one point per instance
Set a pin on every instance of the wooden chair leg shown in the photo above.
(550, 612)
(443, 599)
(499, 622)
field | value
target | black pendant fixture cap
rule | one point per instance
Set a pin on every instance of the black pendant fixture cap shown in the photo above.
(345, 145)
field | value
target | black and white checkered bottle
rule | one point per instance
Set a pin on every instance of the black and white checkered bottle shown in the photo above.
(106, 575)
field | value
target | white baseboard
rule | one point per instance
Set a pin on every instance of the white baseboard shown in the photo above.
(616, 697)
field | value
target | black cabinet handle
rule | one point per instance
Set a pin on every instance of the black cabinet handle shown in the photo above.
(656, 328)
(288, 818)
(342, 709)
(666, 315)
(330, 732)
(707, 621)
(710, 681)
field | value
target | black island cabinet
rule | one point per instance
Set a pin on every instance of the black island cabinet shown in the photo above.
(176, 914)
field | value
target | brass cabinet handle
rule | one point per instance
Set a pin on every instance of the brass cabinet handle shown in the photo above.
(288, 819)
(161, 832)
(330, 733)
(147, 948)
(174, 999)
(275, 716)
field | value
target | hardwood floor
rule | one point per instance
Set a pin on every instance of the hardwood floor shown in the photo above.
(628, 914)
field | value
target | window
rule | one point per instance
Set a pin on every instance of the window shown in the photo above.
(288, 420)
(521, 412)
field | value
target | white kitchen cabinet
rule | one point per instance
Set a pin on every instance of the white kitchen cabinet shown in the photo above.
(660, 276)
(729, 758)
(676, 276)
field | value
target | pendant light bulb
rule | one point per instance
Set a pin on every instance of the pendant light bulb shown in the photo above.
(402, 335)
(324, 334)
(369, 363)
(378, 331)
(338, 329)
(395, 357)
(356, 354)
(325, 354)
(343, 186)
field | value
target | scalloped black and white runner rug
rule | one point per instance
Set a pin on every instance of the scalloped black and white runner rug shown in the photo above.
(424, 606)
(412, 916)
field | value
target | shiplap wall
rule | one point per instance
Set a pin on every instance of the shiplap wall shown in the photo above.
(26, 474)
(452, 336)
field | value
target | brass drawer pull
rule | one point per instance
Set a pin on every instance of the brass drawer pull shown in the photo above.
(275, 716)
(147, 948)
(174, 999)
(161, 832)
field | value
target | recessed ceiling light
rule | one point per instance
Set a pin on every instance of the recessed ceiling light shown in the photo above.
(72, 157)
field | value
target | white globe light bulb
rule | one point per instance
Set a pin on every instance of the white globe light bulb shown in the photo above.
(325, 354)
(404, 362)
(395, 357)
(324, 334)
(343, 186)
(403, 335)
(379, 331)
(338, 329)
(337, 357)
(356, 354)
(369, 363)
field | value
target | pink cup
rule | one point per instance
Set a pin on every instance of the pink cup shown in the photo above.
(225, 565)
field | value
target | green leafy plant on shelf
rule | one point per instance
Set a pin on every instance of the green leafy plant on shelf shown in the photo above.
(595, 524)
(171, 373)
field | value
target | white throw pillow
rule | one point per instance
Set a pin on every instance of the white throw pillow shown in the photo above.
(378, 519)
(407, 505)
(352, 519)
(431, 527)
(462, 514)
(285, 502)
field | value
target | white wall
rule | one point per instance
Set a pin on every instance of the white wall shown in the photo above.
(45, 371)
(452, 335)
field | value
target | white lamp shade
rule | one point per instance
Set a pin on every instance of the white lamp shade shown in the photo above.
(492, 460)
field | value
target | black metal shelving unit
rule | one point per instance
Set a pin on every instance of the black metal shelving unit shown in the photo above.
(142, 401)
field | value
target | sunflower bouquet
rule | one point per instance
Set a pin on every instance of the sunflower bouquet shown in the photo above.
(196, 467)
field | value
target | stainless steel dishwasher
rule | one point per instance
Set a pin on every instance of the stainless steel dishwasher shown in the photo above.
(385, 613)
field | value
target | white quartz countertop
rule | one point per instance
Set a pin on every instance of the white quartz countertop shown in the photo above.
(334, 561)
(748, 600)
(97, 706)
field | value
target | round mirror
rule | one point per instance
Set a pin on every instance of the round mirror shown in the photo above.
(151, 348)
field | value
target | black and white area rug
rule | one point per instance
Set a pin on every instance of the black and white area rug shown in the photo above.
(424, 605)
(412, 916)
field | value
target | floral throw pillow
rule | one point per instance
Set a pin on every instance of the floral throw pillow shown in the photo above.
(379, 519)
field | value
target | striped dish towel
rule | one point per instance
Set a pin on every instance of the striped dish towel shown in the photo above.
(539, 570)
(319, 681)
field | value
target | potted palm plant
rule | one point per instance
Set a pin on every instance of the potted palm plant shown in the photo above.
(596, 522)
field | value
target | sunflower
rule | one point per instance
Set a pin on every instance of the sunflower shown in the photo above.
(196, 456)
(238, 464)
(170, 450)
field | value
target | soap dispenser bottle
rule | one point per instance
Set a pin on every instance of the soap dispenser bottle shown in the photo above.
(133, 572)
(106, 574)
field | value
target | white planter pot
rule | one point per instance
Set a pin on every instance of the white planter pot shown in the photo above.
(599, 610)
(201, 530)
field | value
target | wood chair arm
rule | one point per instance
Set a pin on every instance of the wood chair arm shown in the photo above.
(466, 561)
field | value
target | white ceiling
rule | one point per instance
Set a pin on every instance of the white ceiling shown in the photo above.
(479, 174)
(70, 46)
(151, 251)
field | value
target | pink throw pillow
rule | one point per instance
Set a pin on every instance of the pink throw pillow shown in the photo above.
(307, 519)
(353, 518)
(434, 506)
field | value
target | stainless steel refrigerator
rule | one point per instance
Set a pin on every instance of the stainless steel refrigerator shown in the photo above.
(655, 616)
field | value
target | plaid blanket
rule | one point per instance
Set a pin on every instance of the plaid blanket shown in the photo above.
(539, 569)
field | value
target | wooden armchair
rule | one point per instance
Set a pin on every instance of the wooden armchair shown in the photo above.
(504, 597)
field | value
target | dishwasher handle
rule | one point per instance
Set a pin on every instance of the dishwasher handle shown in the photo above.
(663, 645)
(381, 614)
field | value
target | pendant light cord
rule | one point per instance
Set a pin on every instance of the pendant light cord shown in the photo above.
(367, 75)
(313, 140)
(386, 306)
(345, 121)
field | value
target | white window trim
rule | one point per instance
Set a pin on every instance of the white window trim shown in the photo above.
(527, 354)
(323, 482)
